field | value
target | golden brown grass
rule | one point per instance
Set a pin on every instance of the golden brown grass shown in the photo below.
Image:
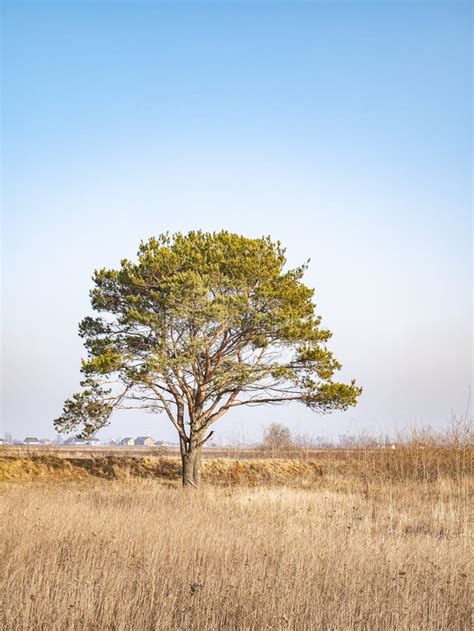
(378, 540)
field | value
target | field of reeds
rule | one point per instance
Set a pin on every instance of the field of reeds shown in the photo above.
(372, 539)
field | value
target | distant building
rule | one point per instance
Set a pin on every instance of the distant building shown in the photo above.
(46, 441)
(146, 441)
(31, 440)
(93, 441)
(74, 440)
(128, 441)
(3, 442)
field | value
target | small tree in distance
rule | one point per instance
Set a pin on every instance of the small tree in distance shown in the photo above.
(277, 437)
(200, 324)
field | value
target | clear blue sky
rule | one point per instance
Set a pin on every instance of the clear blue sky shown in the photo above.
(344, 129)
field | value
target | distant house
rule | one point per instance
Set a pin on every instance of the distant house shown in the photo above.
(3, 442)
(128, 441)
(73, 440)
(31, 440)
(147, 441)
(93, 441)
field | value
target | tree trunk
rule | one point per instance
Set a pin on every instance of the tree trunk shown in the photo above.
(191, 463)
(197, 466)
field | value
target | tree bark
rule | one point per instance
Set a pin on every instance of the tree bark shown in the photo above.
(197, 466)
(191, 462)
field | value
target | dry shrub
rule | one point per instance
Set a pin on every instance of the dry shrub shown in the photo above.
(417, 462)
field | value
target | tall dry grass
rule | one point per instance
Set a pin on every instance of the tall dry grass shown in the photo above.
(378, 541)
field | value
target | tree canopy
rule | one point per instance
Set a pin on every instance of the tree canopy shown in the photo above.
(202, 323)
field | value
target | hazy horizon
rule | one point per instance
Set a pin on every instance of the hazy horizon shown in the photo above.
(344, 131)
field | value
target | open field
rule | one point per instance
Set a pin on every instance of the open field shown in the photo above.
(377, 540)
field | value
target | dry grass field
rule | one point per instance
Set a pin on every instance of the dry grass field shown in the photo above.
(375, 540)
